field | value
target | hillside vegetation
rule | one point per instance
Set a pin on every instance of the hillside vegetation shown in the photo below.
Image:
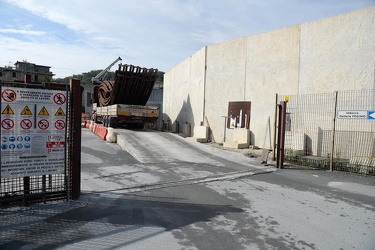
(86, 77)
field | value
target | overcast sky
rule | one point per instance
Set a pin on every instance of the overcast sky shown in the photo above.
(79, 36)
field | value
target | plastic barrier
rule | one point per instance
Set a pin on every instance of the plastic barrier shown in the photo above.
(88, 123)
(100, 131)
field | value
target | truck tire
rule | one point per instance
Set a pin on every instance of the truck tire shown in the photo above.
(139, 125)
(113, 122)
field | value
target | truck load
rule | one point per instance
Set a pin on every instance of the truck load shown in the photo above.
(123, 101)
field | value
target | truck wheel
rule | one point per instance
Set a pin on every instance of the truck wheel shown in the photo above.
(114, 122)
(140, 125)
(111, 121)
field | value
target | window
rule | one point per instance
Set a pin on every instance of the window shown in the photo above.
(36, 78)
(14, 74)
(1, 73)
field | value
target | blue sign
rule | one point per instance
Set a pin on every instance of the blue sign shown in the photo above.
(371, 115)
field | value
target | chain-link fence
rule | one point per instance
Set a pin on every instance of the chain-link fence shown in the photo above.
(331, 130)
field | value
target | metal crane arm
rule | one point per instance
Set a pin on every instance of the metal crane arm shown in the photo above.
(97, 79)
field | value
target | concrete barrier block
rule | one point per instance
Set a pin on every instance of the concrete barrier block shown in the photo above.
(187, 129)
(235, 145)
(200, 132)
(241, 135)
(111, 135)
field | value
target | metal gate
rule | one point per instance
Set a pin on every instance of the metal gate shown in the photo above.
(333, 131)
(40, 155)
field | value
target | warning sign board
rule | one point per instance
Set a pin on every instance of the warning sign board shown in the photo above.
(8, 111)
(32, 141)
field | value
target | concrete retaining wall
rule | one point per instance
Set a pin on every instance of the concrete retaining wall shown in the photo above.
(322, 56)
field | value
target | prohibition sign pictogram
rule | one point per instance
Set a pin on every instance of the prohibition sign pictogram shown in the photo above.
(43, 124)
(59, 98)
(8, 95)
(59, 124)
(26, 124)
(7, 123)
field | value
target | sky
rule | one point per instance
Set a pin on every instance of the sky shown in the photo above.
(75, 37)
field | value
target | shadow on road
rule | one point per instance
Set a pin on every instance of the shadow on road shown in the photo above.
(99, 222)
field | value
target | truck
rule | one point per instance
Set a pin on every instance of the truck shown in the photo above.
(122, 102)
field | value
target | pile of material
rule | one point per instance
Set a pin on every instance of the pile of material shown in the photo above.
(133, 85)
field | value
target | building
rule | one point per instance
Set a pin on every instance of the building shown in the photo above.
(38, 73)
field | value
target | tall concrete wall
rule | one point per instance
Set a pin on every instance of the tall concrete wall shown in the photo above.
(184, 91)
(272, 67)
(338, 53)
(317, 57)
(225, 82)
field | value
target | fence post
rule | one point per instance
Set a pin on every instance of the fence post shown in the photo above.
(281, 135)
(333, 134)
(75, 92)
(275, 130)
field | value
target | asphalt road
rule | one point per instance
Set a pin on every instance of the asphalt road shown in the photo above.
(157, 190)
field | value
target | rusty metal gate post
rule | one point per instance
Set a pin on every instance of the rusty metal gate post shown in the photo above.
(75, 109)
(281, 135)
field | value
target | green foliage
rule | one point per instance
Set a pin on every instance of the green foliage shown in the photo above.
(160, 76)
(46, 79)
(86, 77)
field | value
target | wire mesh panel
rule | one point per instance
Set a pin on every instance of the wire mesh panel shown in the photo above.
(334, 129)
(354, 144)
(45, 183)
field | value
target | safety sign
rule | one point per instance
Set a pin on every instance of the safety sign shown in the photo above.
(59, 99)
(7, 124)
(26, 124)
(43, 111)
(26, 111)
(60, 112)
(8, 111)
(43, 124)
(8, 95)
(60, 124)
